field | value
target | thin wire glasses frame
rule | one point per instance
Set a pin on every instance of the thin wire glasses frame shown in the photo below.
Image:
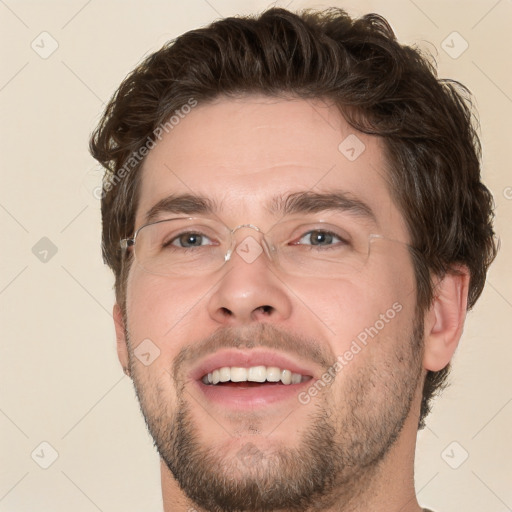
(161, 247)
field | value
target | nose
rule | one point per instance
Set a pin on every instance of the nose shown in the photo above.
(251, 290)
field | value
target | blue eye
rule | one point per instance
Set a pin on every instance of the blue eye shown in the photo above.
(320, 237)
(189, 240)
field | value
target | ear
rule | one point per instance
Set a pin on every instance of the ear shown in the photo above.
(121, 341)
(444, 321)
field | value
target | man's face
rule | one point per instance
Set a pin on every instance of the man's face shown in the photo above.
(274, 445)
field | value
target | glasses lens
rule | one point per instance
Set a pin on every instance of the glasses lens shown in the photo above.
(181, 246)
(303, 247)
(325, 249)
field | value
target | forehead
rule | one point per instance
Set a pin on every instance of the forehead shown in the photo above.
(245, 153)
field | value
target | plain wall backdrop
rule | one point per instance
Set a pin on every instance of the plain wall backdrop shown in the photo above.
(60, 381)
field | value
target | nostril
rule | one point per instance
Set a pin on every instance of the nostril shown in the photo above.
(226, 311)
(266, 309)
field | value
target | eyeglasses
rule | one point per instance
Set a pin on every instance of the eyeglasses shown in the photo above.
(191, 246)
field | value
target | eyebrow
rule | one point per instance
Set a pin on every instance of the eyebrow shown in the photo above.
(317, 202)
(297, 202)
(183, 204)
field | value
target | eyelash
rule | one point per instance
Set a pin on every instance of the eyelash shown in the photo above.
(323, 232)
(171, 241)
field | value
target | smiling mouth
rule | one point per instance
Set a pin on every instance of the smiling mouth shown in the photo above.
(252, 376)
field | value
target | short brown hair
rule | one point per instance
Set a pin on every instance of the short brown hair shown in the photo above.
(381, 87)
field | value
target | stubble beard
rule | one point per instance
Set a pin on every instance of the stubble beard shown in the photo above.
(332, 463)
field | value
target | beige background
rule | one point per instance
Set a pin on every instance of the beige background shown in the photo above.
(60, 381)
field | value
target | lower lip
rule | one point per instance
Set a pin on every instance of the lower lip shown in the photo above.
(240, 397)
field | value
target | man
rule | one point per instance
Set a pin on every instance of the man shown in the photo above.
(294, 215)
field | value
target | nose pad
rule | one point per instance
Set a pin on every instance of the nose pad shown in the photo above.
(249, 249)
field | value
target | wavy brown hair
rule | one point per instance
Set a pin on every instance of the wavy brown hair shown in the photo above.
(381, 87)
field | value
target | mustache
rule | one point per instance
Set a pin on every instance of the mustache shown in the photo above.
(262, 335)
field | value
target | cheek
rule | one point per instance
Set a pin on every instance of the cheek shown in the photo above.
(163, 310)
(156, 311)
(375, 305)
(147, 307)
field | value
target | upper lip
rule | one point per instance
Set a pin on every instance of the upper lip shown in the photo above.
(247, 358)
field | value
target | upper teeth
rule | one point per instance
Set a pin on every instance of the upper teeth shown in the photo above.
(252, 374)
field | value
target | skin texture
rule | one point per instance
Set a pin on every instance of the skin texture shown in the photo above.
(351, 447)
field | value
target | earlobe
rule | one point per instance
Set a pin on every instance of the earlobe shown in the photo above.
(121, 341)
(444, 322)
